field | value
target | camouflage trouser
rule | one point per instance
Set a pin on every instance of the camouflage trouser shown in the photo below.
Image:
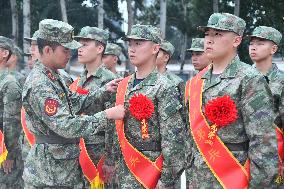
(14, 179)
(30, 186)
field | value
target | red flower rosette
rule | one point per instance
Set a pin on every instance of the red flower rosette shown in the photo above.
(141, 108)
(220, 111)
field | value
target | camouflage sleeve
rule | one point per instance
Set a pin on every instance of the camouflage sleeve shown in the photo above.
(281, 106)
(11, 117)
(60, 120)
(109, 132)
(258, 116)
(172, 129)
(82, 101)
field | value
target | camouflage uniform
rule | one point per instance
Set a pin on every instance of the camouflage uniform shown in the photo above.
(101, 144)
(53, 161)
(253, 127)
(10, 106)
(166, 127)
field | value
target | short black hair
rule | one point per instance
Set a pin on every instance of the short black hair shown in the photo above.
(41, 43)
(98, 43)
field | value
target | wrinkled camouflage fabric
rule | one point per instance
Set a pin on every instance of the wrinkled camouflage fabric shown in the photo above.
(197, 44)
(249, 90)
(168, 47)
(10, 106)
(145, 32)
(113, 49)
(225, 21)
(94, 33)
(58, 31)
(165, 125)
(268, 33)
(54, 165)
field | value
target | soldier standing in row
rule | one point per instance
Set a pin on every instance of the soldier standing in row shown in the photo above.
(94, 77)
(199, 59)
(111, 57)
(264, 42)
(150, 138)
(53, 161)
(231, 115)
(10, 105)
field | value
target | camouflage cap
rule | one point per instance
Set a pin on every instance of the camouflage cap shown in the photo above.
(34, 37)
(18, 52)
(145, 32)
(267, 33)
(168, 47)
(197, 44)
(94, 33)
(113, 49)
(6, 43)
(58, 31)
(225, 22)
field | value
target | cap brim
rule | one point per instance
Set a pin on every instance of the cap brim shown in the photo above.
(29, 39)
(71, 45)
(195, 49)
(260, 37)
(204, 28)
(127, 38)
(80, 37)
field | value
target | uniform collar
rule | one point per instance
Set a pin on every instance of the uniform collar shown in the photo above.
(229, 72)
(97, 73)
(150, 80)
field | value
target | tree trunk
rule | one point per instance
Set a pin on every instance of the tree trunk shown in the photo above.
(15, 20)
(163, 17)
(182, 54)
(101, 14)
(130, 15)
(63, 11)
(26, 24)
(215, 6)
(237, 8)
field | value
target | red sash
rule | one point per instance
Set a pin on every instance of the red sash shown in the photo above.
(280, 142)
(142, 168)
(75, 88)
(91, 172)
(3, 150)
(223, 165)
(30, 136)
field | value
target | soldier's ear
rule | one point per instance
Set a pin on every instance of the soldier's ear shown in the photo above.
(274, 49)
(237, 41)
(156, 48)
(100, 49)
(5, 53)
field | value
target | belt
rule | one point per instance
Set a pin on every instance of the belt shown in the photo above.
(237, 146)
(54, 139)
(147, 146)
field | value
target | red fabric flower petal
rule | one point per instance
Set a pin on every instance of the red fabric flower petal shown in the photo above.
(141, 107)
(221, 111)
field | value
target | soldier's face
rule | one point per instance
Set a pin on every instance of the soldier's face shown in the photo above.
(141, 51)
(162, 58)
(60, 57)
(220, 44)
(89, 51)
(34, 51)
(260, 49)
(3, 54)
(109, 61)
(199, 60)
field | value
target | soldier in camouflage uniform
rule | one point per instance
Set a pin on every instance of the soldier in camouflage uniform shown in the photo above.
(252, 135)
(198, 57)
(53, 161)
(166, 127)
(95, 76)
(163, 58)
(111, 57)
(10, 106)
(33, 48)
(13, 65)
(264, 42)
